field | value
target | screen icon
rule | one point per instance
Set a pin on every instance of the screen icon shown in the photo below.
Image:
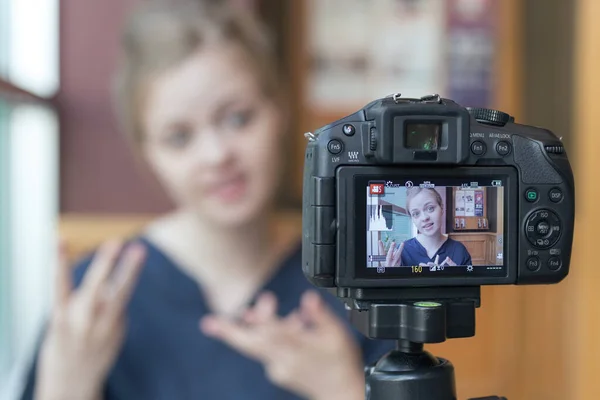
(376, 188)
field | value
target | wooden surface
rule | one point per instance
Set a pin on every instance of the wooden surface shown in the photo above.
(581, 306)
(561, 323)
(82, 232)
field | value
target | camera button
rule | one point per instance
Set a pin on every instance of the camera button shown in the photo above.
(533, 264)
(556, 195)
(478, 148)
(335, 146)
(349, 130)
(554, 263)
(554, 234)
(531, 195)
(542, 228)
(503, 148)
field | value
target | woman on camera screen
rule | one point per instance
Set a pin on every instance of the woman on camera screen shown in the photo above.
(430, 246)
(209, 301)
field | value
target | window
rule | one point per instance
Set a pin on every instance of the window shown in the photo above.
(28, 211)
(4, 245)
(29, 133)
(29, 56)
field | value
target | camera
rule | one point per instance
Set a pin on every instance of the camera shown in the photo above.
(503, 192)
(410, 205)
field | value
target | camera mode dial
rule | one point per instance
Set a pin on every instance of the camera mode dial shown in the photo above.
(489, 116)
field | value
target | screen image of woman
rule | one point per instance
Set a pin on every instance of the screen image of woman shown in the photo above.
(430, 246)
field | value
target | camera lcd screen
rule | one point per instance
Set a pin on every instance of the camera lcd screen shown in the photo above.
(422, 136)
(435, 228)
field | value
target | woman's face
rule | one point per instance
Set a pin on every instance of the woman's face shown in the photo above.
(212, 137)
(426, 213)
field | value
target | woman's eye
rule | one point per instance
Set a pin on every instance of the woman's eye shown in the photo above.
(430, 209)
(238, 119)
(415, 214)
(179, 139)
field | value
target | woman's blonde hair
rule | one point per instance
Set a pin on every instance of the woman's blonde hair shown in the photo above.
(160, 34)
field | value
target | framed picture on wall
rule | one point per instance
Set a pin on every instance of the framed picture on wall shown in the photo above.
(361, 50)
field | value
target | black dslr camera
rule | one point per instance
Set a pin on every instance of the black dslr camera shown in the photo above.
(411, 204)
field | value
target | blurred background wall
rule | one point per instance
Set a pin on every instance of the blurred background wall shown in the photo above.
(64, 164)
(98, 174)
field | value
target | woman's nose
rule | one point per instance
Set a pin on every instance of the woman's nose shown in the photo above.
(213, 150)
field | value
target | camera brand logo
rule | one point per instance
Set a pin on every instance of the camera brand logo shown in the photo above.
(376, 188)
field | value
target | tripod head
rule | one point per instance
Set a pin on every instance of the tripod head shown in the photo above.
(413, 317)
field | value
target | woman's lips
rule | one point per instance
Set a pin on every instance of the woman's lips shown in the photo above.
(428, 226)
(228, 190)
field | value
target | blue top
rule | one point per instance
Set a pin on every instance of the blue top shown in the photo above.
(166, 356)
(414, 253)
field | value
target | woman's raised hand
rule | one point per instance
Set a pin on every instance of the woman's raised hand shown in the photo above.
(309, 352)
(87, 324)
(394, 254)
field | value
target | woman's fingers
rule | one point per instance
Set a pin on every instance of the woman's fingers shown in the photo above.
(265, 308)
(398, 255)
(293, 323)
(316, 313)
(125, 278)
(390, 254)
(63, 283)
(381, 251)
(100, 269)
(247, 340)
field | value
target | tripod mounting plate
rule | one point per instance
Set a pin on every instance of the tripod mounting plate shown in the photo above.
(420, 320)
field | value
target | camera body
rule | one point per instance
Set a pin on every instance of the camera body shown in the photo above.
(423, 192)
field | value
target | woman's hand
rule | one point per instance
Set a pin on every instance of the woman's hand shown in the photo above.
(394, 254)
(309, 352)
(431, 264)
(87, 326)
(448, 261)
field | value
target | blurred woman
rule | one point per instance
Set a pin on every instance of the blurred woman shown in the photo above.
(208, 301)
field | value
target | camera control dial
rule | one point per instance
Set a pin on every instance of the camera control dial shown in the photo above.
(489, 116)
(543, 229)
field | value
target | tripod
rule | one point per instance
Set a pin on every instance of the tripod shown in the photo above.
(413, 316)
